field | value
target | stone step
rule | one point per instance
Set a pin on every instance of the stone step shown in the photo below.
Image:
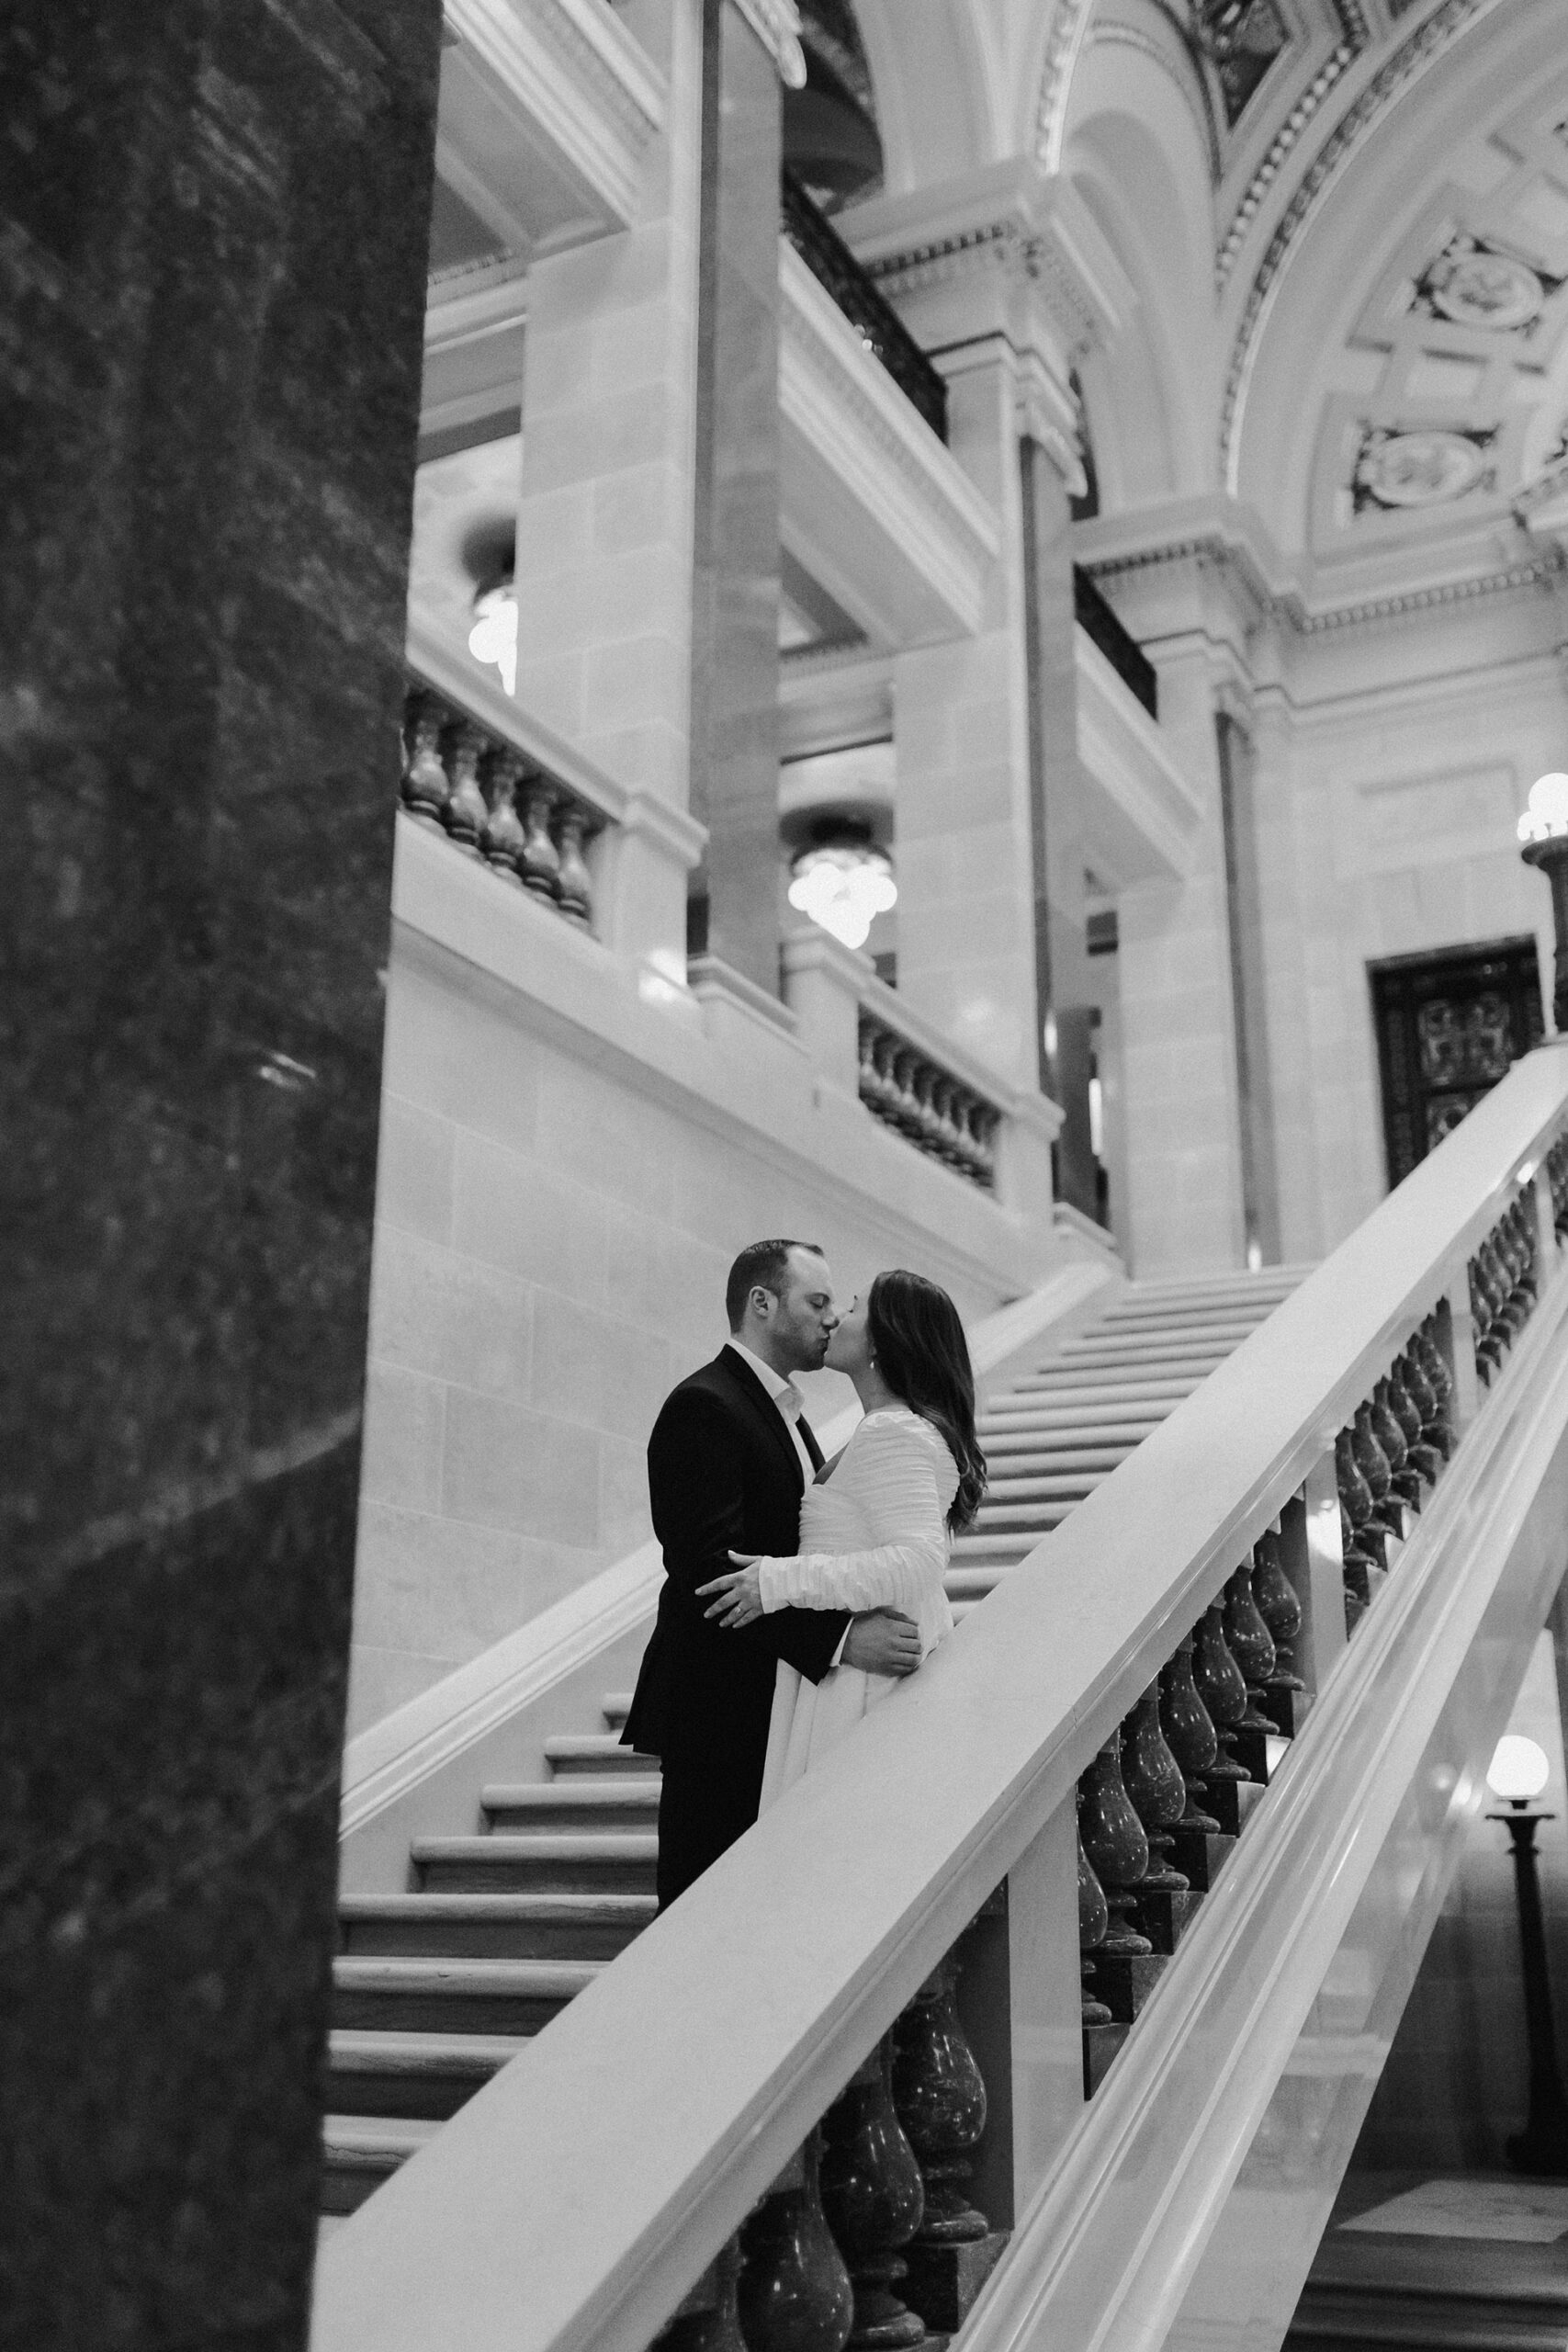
(595, 1751)
(1030, 1420)
(413, 2075)
(494, 1927)
(419, 1995)
(1134, 1347)
(1013, 1492)
(1007, 1544)
(1030, 1457)
(614, 1863)
(1035, 1506)
(1221, 1317)
(577, 1800)
(617, 1706)
(359, 2151)
(1274, 1280)
(1100, 2044)
(964, 1587)
(1118, 1385)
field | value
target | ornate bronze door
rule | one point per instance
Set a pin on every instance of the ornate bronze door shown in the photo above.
(1447, 1028)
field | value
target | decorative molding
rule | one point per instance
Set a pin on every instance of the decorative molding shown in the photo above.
(1068, 28)
(1111, 34)
(776, 24)
(1405, 67)
(1013, 249)
(1288, 605)
(1281, 145)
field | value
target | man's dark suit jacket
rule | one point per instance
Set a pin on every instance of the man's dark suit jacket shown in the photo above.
(723, 1474)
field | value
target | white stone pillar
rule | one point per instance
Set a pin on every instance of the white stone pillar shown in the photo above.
(1002, 278)
(605, 517)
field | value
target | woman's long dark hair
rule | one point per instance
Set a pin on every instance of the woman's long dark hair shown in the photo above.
(923, 1356)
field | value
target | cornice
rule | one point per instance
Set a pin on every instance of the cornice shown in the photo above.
(1409, 62)
(776, 24)
(1012, 225)
(1290, 606)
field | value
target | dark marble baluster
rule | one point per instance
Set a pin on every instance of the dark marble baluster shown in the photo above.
(1373, 1465)
(794, 2293)
(1439, 1374)
(1404, 1479)
(465, 815)
(1094, 1920)
(1250, 1643)
(1152, 1777)
(576, 883)
(1485, 1304)
(503, 838)
(875, 2200)
(539, 860)
(1361, 1531)
(709, 2318)
(1116, 1844)
(1279, 1607)
(939, 2094)
(1190, 1733)
(426, 786)
(1222, 1690)
(1411, 1409)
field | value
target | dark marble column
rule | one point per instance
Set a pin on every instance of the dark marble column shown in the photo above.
(212, 232)
(1244, 918)
(735, 617)
(1061, 947)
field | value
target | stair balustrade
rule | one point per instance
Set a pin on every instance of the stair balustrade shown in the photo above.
(903, 1086)
(496, 804)
(1161, 1694)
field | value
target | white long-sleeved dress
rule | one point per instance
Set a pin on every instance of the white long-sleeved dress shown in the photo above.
(873, 1535)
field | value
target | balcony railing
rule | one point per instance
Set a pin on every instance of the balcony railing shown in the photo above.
(908, 1090)
(495, 804)
(881, 329)
(1123, 652)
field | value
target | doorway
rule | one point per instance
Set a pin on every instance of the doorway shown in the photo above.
(1449, 1027)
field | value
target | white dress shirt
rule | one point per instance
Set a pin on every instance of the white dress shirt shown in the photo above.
(787, 1396)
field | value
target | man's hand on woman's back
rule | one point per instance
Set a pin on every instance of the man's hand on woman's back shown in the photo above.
(882, 1641)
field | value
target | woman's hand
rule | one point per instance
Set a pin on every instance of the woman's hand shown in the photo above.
(739, 1597)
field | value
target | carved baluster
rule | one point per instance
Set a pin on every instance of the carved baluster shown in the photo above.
(929, 1138)
(949, 1143)
(1440, 1431)
(1279, 1607)
(1152, 1777)
(539, 860)
(985, 1137)
(1410, 1413)
(1249, 1642)
(1117, 1846)
(1223, 1692)
(426, 786)
(501, 841)
(1094, 1920)
(870, 1076)
(939, 2094)
(1190, 1733)
(794, 2290)
(905, 1066)
(891, 1094)
(1485, 1300)
(709, 2319)
(1373, 1465)
(574, 880)
(1386, 1428)
(464, 814)
(875, 2200)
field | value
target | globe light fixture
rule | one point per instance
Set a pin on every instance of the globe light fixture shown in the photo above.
(1543, 842)
(493, 636)
(1518, 1769)
(843, 884)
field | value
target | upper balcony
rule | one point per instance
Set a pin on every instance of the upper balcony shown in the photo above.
(873, 507)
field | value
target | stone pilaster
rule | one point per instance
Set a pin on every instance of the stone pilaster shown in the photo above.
(210, 386)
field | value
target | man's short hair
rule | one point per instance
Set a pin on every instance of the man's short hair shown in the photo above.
(761, 1262)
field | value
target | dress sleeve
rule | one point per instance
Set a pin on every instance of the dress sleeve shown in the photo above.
(901, 1485)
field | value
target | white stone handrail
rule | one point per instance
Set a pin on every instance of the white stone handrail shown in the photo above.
(576, 2198)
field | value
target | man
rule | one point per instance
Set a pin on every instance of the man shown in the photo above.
(728, 1464)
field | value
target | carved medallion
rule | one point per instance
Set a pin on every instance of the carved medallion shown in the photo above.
(1422, 469)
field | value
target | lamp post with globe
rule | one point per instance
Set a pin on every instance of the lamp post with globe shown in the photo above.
(1543, 836)
(1517, 1773)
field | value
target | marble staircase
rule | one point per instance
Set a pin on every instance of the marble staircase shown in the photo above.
(437, 1988)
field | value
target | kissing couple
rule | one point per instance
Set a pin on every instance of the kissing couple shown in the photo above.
(796, 1592)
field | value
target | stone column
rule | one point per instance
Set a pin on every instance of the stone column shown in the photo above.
(735, 572)
(209, 385)
(1180, 1094)
(1004, 280)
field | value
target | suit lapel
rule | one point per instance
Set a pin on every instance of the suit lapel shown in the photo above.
(751, 1391)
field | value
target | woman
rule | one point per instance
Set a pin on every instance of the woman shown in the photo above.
(876, 1528)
